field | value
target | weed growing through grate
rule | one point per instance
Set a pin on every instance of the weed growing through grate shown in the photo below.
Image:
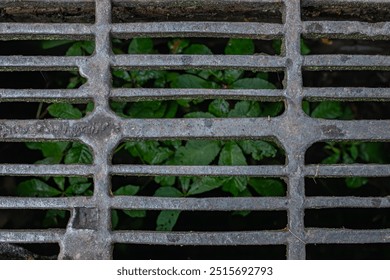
(185, 153)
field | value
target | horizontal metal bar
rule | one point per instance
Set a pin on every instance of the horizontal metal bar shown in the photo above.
(154, 170)
(344, 202)
(211, 128)
(47, 170)
(31, 236)
(347, 94)
(368, 130)
(249, 62)
(204, 2)
(139, 94)
(48, 3)
(45, 202)
(201, 238)
(82, 95)
(346, 29)
(347, 170)
(337, 2)
(198, 29)
(46, 31)
(199, 204)
(340, 236)
(346, 62)
(31, 63)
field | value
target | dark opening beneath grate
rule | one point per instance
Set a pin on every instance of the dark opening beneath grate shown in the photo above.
(33, 219)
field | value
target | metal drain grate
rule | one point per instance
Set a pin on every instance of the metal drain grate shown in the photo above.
(89, 235)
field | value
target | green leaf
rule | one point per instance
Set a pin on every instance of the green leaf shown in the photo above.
(165, 180)
(60, 181)
(75, 50)
(231, 154)
(168, 192)
(306, 107)
(272, 109)
(54, 43)
(141, 46)
(124, 75)
(149, 151)
(230, 76)
(240, 46)
(185, 182)
(90, 107)
(191, 81)
(354, 151)
(77, 189)
(245, 109)
(219, 107)
(205, 184)
(235, 185)
(64, 111)
(77, 180)
(258, 149)
(267, 187)
(199, 115)
(54, 150)
(372, 152)
(143, 76)
(114, 219)
(135, 213)
(147, 109)
(167, 219)
(79, 153)
(127, 190)
(328, 110)
(277, 46)
(252, 83)
(171, 111)
(52, 217)
(35, 187)
(332, 159)
(305, 50)
(197, 152)
(197, 49)
(355, 182)
(88, 46)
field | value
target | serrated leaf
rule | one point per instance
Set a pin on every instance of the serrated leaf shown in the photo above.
(127, 190)
(35, 187)
(240, 46)
(191, 81)
(355, 182)
(197, 152)
(199, 115)
(267, 187)
(231, 154)
(205, 184)
(167, 219)
(328, 110)
(64, 111)
(252, 83)
(245, 109)
(197, 49)
(258, 149)
(141, 46)
(219, 107)
(79, 153)
(168, 192)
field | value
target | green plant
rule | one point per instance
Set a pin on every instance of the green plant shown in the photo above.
(192, 152)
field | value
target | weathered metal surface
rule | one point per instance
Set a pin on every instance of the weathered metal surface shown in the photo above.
(88, 234)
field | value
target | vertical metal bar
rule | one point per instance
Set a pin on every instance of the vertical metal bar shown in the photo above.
(294, 144)
(95, 243)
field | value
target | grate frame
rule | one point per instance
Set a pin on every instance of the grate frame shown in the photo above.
(88, 234)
